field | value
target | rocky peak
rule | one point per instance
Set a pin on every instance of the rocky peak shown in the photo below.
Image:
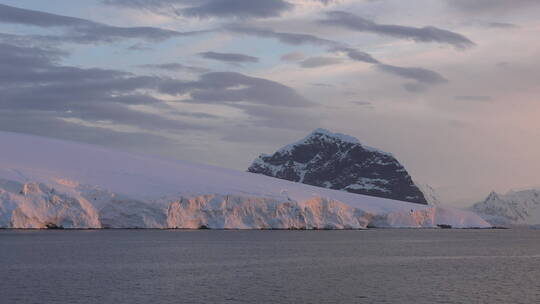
(341, 162)
(493, 196)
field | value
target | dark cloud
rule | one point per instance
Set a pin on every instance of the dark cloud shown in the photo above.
(41, 96)
(280, 117)
(176, 67)
(315, 62)
(492, 6)
(294, 56)
(502, 25)
(10, 14)
(210, 8)
(421, 75)
(503, 64)
(355, 54)
(139, 47)
(473, 98)
(326, 2)
(423, 34)
(234, 89)
(322, 85)
(81, 30)
(198, 115)
(267, 103)
(244, 134)
(301, 39)
(288, 38)
(237, 8)
(13, 56)
(229, 57)
(366, 105)
(362, 103)
(415, 87)
(48, 124)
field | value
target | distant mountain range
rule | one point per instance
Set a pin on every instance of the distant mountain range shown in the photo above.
(512, 208)
(340, 162)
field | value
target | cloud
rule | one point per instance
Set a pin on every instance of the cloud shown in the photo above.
(322, 85)
(237, 8)
(210, 8)
(229, 57)
(419, 74)
(139, 47)
(415, 87)
(280, 117)
(48, 124)
(473, 98)
(10, 14)
(355, 54)
(287, 38)
(302, 39)
(41, 96)
(491, 6)
(423, 34)
(293, 56)
(234, 89)
(81, 30)
(315, 62)
(362, 103)
(326, 2)
(198, 115)
(502, 25)
(176, 67)
(267, 103)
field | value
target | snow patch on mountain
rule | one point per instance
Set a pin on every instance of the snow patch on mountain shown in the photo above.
(328, 136)
(50, 182)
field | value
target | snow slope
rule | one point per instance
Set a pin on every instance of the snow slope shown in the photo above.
(46, 181)
(512, 208)
(432, 197)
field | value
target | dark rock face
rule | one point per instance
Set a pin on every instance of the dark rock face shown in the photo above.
(340, 162)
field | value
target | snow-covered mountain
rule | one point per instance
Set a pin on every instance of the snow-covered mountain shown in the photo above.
(512, 208)
(52, 182)
(340, 162)
(432, 197)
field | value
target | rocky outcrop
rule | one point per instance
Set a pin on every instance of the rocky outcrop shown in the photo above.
(340, 162)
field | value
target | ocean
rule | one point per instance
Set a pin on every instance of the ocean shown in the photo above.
(219, 266)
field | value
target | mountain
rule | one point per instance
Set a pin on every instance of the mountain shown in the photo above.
(340, 162)
(52, 183)
(512, 208)
(432, 197)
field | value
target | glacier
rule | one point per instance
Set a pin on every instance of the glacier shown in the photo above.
(48, 182)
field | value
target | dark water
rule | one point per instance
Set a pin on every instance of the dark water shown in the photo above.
(377, 266)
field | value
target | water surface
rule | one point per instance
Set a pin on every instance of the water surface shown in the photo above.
(172, 266)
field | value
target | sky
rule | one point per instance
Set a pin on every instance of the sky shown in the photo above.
(450, 87)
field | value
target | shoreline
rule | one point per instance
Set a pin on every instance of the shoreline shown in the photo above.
(262, 229)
